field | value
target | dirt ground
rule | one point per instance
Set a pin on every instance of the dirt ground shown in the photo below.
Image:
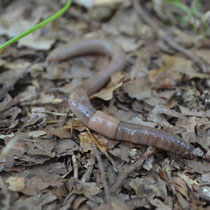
(50, 160)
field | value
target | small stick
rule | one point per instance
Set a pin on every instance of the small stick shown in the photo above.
(103, 176)
(75, 165)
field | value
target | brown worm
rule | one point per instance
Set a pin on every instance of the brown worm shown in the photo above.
(99, 121)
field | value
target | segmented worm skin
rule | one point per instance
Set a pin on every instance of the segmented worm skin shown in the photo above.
(99, 121)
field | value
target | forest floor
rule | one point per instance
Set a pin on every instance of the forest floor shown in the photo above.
(47, 156)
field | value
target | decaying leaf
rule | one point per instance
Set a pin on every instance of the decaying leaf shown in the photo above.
(61, 132)
(181, 186)
(36, 134)
(106, 94)
(16, 184)
(78, 187)
(48, 162)
(139, 88)
(86, 138)
(75, 124)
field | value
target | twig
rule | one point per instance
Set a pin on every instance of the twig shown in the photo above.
(164, 36)
(88, 172)
(129, 169)
(75, 165)
(53, 113)
(103, 176)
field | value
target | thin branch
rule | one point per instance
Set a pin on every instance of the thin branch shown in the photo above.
(103, 176)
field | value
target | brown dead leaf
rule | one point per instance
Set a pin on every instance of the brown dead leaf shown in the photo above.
(35, 202)
(106, 93)
(181, 186)
(116, 78)
(14, 71)
(85, 188)
(75, 124)
(78, 201)
(183, 202)
(159, 204)
(139, 88)
(164, 110)
(206, 177)
(41, 147)
(198, 167)
(151, 186)
(61, 132)
(115, 203)
(166, 80)
(169, 62)
(40, 177)
(190, 182)
(16, 184)
(35, 184)
(36, 134)
(127, 43)
(186, 38)
(85, 141)
(125, 152)
(79, 69)
(5, 103)
(86, 138)
(66, 147)
(204, 54)
(182, 65)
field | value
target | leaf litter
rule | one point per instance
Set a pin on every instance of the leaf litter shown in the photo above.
(47, 160)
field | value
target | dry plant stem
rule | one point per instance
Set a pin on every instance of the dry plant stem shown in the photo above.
(103, 176)
(52, 113)
(89, 170)
(75, 166)
(164, 36)
(124, 173)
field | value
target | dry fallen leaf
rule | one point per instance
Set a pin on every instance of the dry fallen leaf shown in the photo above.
(139, 88)
(16, 184)
(159, 204)
(106, 93)
(190, 182)
(75, 124)
(36, 134)
(62, 132)
(86, 138)
(181, 186)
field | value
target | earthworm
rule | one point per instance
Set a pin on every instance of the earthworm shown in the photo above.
(99, 121)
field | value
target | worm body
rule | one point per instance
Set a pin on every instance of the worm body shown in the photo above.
(99, 121)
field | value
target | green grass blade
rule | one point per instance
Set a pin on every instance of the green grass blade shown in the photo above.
(34, 28)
